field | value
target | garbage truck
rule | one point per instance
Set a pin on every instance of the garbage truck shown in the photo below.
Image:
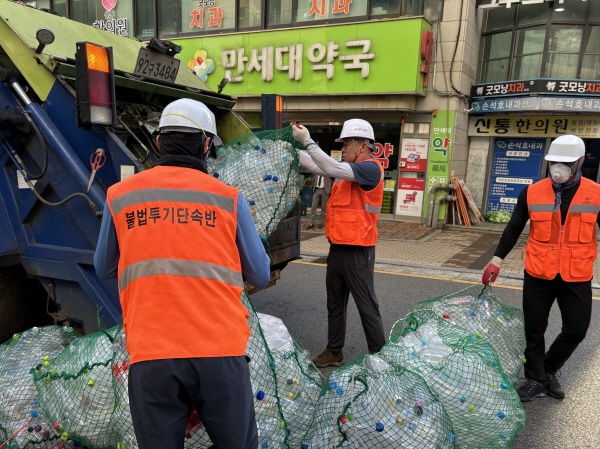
(74, 100)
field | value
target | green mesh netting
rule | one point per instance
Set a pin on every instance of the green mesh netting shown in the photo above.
(372, 403)
(477, 310)
(84, 400)
(438, 383)
(264, 166)
(20, 414)
(464, 372)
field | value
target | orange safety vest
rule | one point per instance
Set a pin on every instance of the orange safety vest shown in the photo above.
(352, 213)
(568, 249)
(179, 269)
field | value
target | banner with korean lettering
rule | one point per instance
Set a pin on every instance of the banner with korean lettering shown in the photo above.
(584, 126)
(413, 157)
(440, 152)
(344, 59)
(516, 163)
(409, 200)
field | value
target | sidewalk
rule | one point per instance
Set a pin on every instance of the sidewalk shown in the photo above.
(457, 248)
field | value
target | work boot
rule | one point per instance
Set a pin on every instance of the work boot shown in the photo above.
(529, 389)
(553, 386)
(328, 358)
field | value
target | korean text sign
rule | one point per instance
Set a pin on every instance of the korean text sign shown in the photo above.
(516, 163)
(355, 58)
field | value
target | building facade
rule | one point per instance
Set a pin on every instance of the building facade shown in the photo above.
(471, 88)
(538, 78)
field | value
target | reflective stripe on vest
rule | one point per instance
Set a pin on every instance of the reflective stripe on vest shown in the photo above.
(176, 267)
(171, 195)
(568, 248)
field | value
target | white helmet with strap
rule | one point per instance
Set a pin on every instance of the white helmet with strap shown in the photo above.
(356, 128)
(186, 115)
(567, 148)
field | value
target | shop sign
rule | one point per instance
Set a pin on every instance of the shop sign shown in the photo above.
(509, 3)
(536, 86)
(571, 104)
(413, 156)
(516, 163)
(382, 152)
(440, 151)
(535, 126)
(110, 22)
(409, 200)
(355, 58)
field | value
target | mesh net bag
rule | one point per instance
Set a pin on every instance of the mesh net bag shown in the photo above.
(264, 166)
(373, 403)
(78, 391)
(299, 384)
(477, 310)
(464, 372)
(22, 423)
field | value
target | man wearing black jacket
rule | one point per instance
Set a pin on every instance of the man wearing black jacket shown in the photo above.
(559, 262)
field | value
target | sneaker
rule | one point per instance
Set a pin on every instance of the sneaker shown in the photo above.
(327, 358)
(529, 389)
(553, 386)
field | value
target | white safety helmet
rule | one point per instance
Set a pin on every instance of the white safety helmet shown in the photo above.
(186, 115)
(566, 148)
(358, 128)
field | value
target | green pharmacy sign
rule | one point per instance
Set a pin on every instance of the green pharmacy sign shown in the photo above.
(373, 57)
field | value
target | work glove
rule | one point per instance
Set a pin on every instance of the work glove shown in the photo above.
(301, 135)
(491, 271)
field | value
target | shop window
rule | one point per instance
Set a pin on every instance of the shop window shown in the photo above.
(250, 14)
(60, 6)
(42, 4)
(564, 43)
(590, 64)
(495, 57)
(280, 12)
(384, 7)
(559, 47)
(413, 7)
(145, 21)
(531, 14)
(594, 11)
(573, 12)
(318, 10)
(529, 48)
(500, 19)
(78, 11)
(169, 16)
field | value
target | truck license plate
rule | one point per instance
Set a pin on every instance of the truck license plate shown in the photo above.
(156, 66)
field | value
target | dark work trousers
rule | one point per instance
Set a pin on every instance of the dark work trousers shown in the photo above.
(162, 393)
(319, 197)
(575, 304)
(350, 269)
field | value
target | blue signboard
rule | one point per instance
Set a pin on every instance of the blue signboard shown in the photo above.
(550, 104)
(516, 163)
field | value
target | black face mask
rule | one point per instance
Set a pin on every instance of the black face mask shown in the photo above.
(182, 144)
(183, 150)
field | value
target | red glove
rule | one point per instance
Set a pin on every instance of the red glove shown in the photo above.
(491, 271)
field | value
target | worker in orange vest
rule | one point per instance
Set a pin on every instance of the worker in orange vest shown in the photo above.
(351, 227)
(559, 263)
(181, 243)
